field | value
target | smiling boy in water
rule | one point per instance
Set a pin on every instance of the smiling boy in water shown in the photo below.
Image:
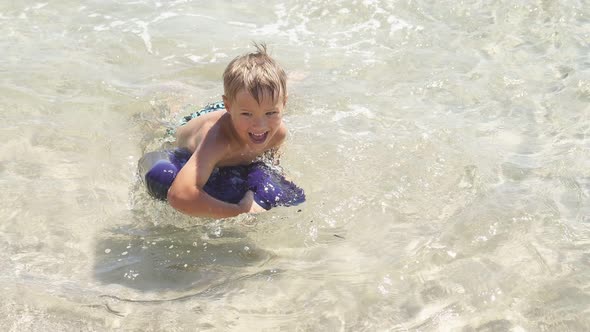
(251, 125)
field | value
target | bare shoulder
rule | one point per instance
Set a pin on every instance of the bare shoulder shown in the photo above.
(213, 141)
(280, 136)
(191, 134)
(212, 149)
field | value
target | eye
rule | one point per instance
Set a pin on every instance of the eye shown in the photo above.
(247, 114)
(272, 113)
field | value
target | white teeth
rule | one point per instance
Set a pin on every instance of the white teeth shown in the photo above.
(258, 137)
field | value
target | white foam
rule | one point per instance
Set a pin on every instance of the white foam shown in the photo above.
(144, 35)
(397, 24)
(101, 28)
(242, 24)
(355, 111)
(39, 5)
(116, 23)
(195, 58)
(217, 56)
(164, 16)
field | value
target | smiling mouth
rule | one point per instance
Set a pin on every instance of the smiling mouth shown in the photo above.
(258, 138)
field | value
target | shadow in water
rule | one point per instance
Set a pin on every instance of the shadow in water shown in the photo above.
(147, 257)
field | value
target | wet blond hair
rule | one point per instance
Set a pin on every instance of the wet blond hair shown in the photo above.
(258, 74)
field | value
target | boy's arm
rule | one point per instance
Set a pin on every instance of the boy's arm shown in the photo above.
(186, 194)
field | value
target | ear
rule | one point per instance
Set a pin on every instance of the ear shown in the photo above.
(227, 103)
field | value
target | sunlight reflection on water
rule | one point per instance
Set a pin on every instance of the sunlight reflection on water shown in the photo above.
(443, 149)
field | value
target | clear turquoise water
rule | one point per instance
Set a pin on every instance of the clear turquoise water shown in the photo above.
(443, 147)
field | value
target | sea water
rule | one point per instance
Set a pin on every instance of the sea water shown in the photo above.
(443, 147)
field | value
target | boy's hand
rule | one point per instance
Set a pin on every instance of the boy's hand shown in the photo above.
(249, 205)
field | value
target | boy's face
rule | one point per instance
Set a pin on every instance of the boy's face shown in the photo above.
(254, 123)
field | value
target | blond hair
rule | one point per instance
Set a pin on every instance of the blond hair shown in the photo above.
(258, 74)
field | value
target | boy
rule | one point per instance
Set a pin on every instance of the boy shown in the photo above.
(255, 94)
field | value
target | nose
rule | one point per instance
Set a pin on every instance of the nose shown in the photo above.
(259, 122)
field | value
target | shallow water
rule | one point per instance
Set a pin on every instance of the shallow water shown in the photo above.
(443, 147)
